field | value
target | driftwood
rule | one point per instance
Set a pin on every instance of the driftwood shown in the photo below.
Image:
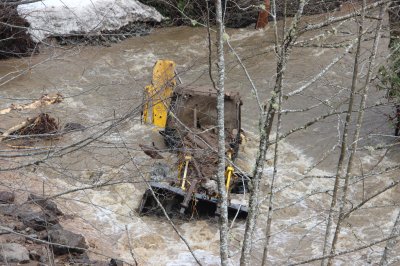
(43, 101)
(41, 124)
(153, 152)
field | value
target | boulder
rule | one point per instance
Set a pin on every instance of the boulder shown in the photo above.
(38, 220)
(7, 197)
(13, 252)
(71, 242)
(44, 203)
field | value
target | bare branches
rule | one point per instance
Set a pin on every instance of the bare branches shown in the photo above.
(344, 139)
(322, 73)
(341, 253)
(333, 20)
(266, 122)
(288, 209)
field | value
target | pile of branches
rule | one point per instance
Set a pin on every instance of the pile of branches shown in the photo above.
(14, 39)
(43, 124)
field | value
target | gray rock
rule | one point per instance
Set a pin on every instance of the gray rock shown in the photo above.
(13, 209)
(7, 197)
(160, 172)
(80, 259)
(44, 203)
(211, 186)
(34, 255)
(74, 126)
(70, 241)
(12, 252)
(38, 220)
(115, 262)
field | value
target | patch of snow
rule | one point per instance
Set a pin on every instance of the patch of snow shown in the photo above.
(63, 17)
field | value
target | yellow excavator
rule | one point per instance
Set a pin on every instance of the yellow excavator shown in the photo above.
(187, 118)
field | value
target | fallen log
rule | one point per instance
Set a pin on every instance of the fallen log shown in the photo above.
(43, 101)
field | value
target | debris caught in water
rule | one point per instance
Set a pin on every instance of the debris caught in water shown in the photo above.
(153, 152)
(46, 99)
(38, 125)
(189, 118)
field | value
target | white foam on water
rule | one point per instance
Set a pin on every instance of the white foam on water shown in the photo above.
(155, 242)
(243, 34)
(186, 259)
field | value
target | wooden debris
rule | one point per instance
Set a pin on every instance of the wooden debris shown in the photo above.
(151, 151)
(41, 124)
(43, 101)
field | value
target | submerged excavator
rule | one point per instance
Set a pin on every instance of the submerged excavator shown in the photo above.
(187, 118)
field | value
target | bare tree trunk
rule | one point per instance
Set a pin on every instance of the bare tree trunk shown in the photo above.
(391, 242)
(223, 219)
(360, 118)
(266, 122)
(271, 195)
(397, 129)
(343, 148)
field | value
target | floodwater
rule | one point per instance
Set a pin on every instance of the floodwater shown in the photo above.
(103, 84)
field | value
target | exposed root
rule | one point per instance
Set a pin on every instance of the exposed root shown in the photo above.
(39, 125)
(15, 40)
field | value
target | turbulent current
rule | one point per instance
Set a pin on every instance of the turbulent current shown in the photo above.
(102, 84)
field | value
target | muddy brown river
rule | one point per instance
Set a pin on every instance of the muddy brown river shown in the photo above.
(102, 84)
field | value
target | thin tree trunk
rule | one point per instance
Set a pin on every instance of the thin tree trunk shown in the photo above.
(266, 122)
(360, 118)
(391, 242)
(397, 129)
(271, 195)
(223, 219)
(343, 148)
